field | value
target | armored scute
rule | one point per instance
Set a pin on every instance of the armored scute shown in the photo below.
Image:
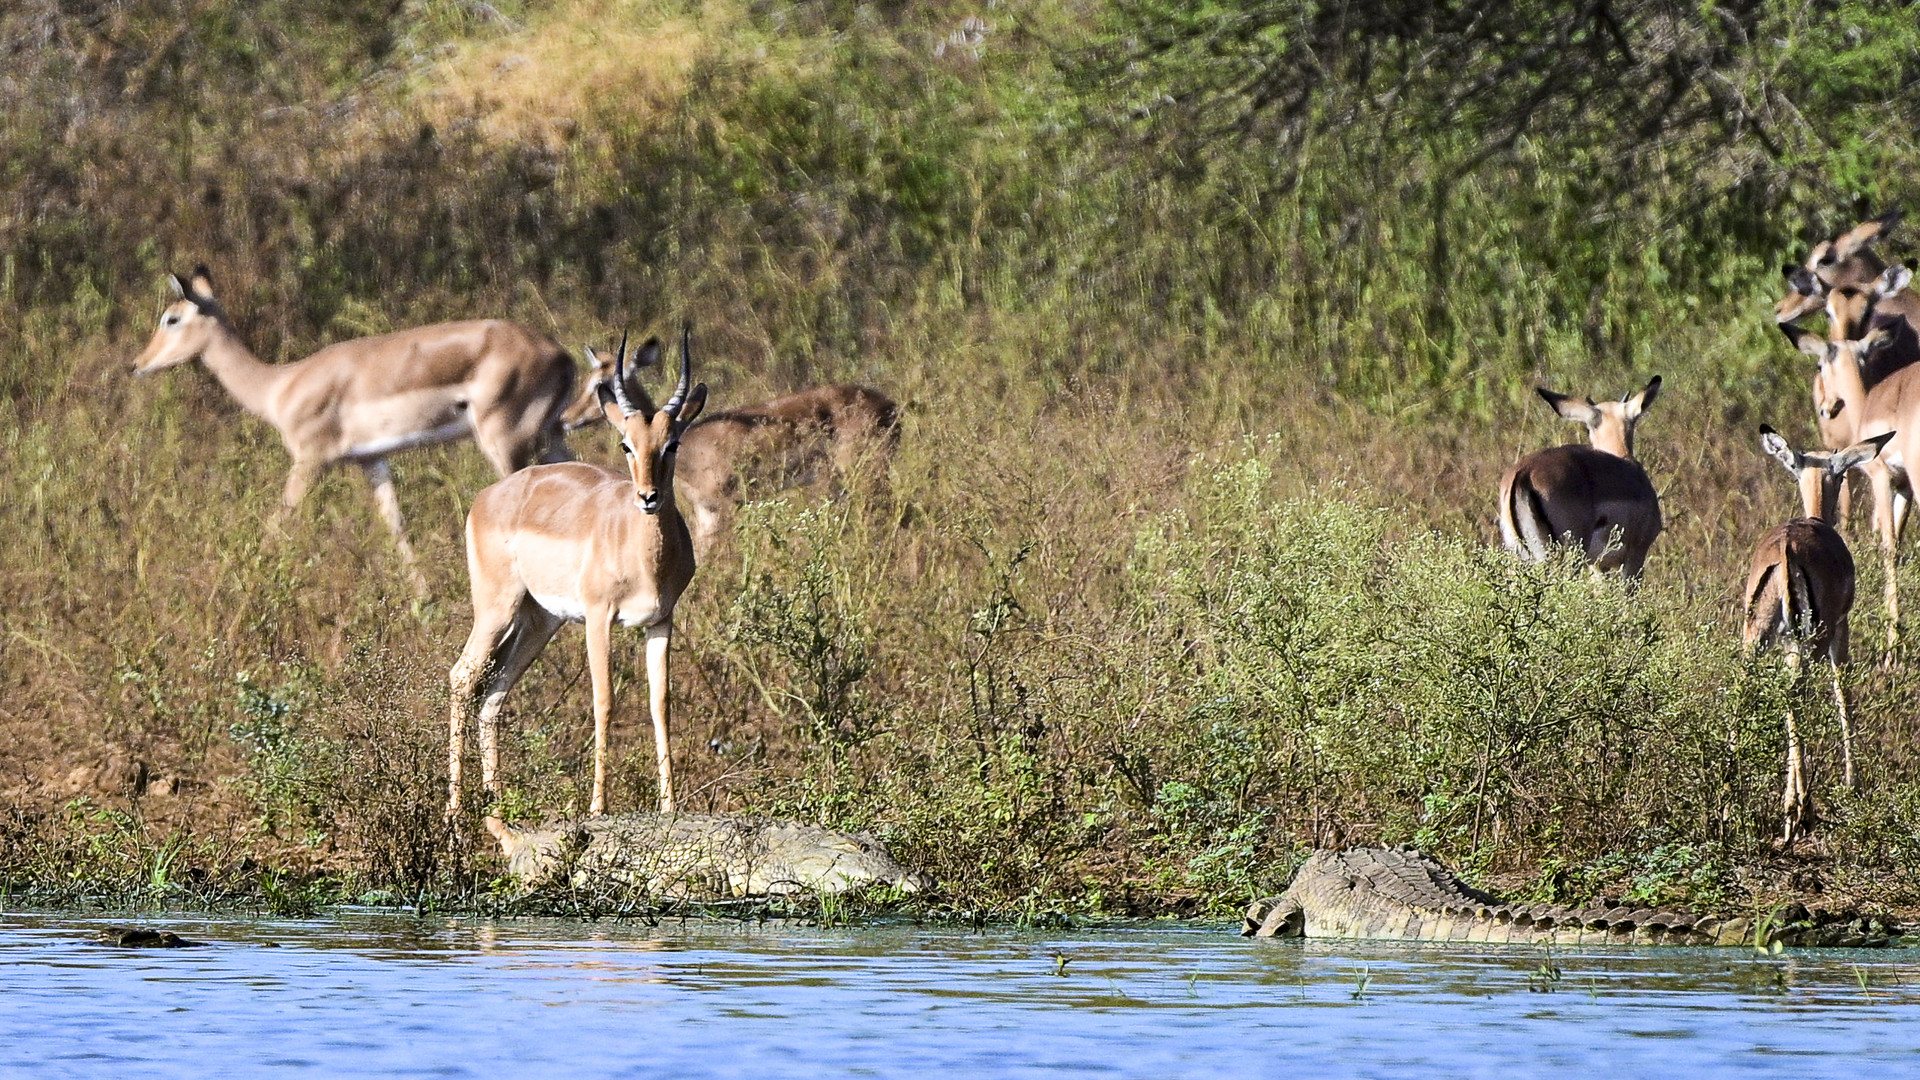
(699, 856)
(1399, 894)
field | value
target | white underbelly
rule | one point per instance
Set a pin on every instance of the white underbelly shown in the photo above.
(562, 607)
(381, 447)
(571, 609)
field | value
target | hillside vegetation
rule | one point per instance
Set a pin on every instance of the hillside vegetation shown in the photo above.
(1215, 327)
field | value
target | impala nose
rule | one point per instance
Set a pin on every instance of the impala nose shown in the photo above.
(649, 501)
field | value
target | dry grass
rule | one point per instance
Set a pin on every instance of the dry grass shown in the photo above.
(572, 67)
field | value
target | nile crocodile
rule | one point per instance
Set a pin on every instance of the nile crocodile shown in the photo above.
(1399, 894)
(698, 856)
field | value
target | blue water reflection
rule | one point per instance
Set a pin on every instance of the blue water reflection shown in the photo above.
(367, 994)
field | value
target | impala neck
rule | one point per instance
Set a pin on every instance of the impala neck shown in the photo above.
(1613, 436)
(1844, 382)
(1820, 493)
(250, 380)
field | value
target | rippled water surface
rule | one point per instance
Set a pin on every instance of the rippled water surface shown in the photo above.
(359, 994)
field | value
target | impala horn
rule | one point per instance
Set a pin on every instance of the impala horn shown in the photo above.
(620, 378)
(679, 397)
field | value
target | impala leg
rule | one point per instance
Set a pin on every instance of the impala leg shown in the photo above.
(380, 476)
(498, 652)
(299, 478)
(1598, 541)
(1796, 803)
(1846, 727)
(1838, 654)
(599, 644)
(659, 640)
(507, 447)
(1899, 502)
(1880, 480)
(709, 520)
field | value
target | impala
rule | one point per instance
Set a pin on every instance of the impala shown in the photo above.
(578, 543)
(1863, 413)
(359, 401)
(774, 445)
(1584, 495)
(1843, 260)
(1852, 310)
(1800, 592)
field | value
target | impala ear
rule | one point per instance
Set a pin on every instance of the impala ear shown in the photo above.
(1894, 279)
(1851, 241)
(1858, 454)
(1878, 338)
(1637, 403)
(179, 290)
(696, 400)
(1805, 340)
(1579, 410)
(1777, 448)
(1803, 281)
(609, 404)
(202, 283)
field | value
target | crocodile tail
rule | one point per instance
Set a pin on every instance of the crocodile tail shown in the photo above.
(1524, 527)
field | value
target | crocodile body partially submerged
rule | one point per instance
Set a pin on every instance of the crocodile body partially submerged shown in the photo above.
(1398, 894)
(698, 856)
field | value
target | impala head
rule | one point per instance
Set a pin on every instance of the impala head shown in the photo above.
(586, 409)
(185, 326)
(1850, 308)
(1835, 355)
(1806, 294)
(1609, 423)
(1843, 260)
(651, 437)
(1820, 473)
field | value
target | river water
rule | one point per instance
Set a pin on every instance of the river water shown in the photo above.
(364, 993)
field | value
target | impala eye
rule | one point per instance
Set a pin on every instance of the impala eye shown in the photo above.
(172, 320)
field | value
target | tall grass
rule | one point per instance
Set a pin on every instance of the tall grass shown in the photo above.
(1181, 568)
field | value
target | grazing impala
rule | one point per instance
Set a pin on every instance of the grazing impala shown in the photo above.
(577, 543)
(1800, 592)
(359, 401)
(1890, 405)
(770, 446)
(1584, 495)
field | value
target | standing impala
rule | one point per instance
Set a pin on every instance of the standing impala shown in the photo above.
(1891, 405)
(577, 543)
(1583, 495)
(776, 444)
(359, 401)
(1799, 594)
